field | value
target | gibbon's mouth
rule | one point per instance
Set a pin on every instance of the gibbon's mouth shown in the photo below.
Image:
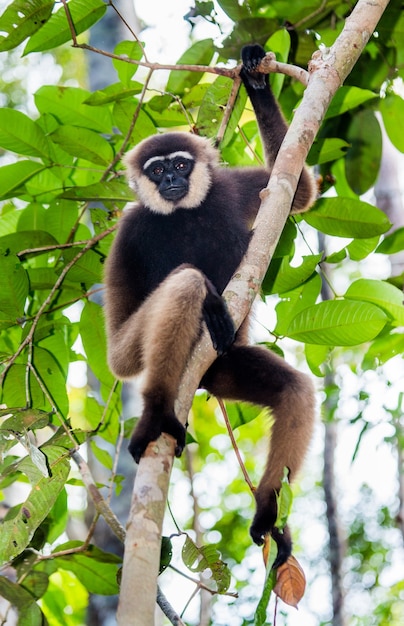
(174, 193)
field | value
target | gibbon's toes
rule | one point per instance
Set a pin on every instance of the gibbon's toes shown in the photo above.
(282, 538)
(172, 426)
(284, 542)
(150, 430)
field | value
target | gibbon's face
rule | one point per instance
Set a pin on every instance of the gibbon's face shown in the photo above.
(170, 174)
(172, 171)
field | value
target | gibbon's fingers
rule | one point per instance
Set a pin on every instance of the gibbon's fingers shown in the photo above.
(220, 324)
(252, 57)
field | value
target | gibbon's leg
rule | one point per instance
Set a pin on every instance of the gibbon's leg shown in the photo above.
(256, 375)
(158, 339)
(271, 123)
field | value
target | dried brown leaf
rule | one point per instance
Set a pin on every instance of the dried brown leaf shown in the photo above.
(290, 582)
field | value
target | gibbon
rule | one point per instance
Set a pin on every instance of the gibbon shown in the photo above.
(175, 252)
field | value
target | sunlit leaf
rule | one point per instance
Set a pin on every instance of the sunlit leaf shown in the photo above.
(338, 323)
(67, 105)
(347, 217)
(348, 98)
(84, 13)
(96, 570)
(21, 19)
(17, 531)
(84, 143)
(13, 176)
(131, 50)
(200, 53)
(392, 110)
(19, 134)
(381, 293)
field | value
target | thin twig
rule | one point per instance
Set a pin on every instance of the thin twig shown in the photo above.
(234, 444)
(229, 109)
(100, 504)
(70, 22)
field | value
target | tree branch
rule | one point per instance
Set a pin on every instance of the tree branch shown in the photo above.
(327, 70)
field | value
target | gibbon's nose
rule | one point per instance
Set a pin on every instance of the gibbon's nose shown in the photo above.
(169, 178)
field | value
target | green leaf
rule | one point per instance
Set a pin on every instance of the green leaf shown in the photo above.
(84, 143)
(295, 301)
(359, 249)
(17, 532)
(270, 581)
(338, 323)
(384, 348)
(113, 93)
(348, 98)
(392, 110)
(206, 558)
(21, 135)
(381, 293)
(84, 13)
(392, 243)
(13, 290)
(316, 356)
(213, 105)
(92, 331)
(115, 190)
(289, 277)
(325, 150)
(362, 162)
(95, 569)
(284, 502)
(67, 105)
(103, 456)
(279, 43)
(13, 176)
(52, 377)
(347, 217)
(21, 19)
(131, 50)
(123, 114)
(29, 613)
(24, 419)
(38, 458)
(200, 53)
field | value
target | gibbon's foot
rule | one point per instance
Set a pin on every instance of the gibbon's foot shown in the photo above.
(263, 523)
(252, 56)
(217, 318)
(150, 429)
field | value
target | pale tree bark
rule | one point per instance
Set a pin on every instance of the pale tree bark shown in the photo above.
(328, 69)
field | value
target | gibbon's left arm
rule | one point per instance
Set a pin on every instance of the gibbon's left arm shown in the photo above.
(271, 124)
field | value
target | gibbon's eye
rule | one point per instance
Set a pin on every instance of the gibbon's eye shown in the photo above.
(183, 166)
(158, 170)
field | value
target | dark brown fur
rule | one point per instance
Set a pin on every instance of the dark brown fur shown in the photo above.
(167, 268)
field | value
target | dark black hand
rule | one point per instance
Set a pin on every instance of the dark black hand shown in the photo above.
(252, 56)
(218, 320)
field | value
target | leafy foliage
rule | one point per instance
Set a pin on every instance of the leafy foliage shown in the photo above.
(61, 197)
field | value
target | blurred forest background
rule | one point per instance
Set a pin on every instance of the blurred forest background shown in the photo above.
(68, 115)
